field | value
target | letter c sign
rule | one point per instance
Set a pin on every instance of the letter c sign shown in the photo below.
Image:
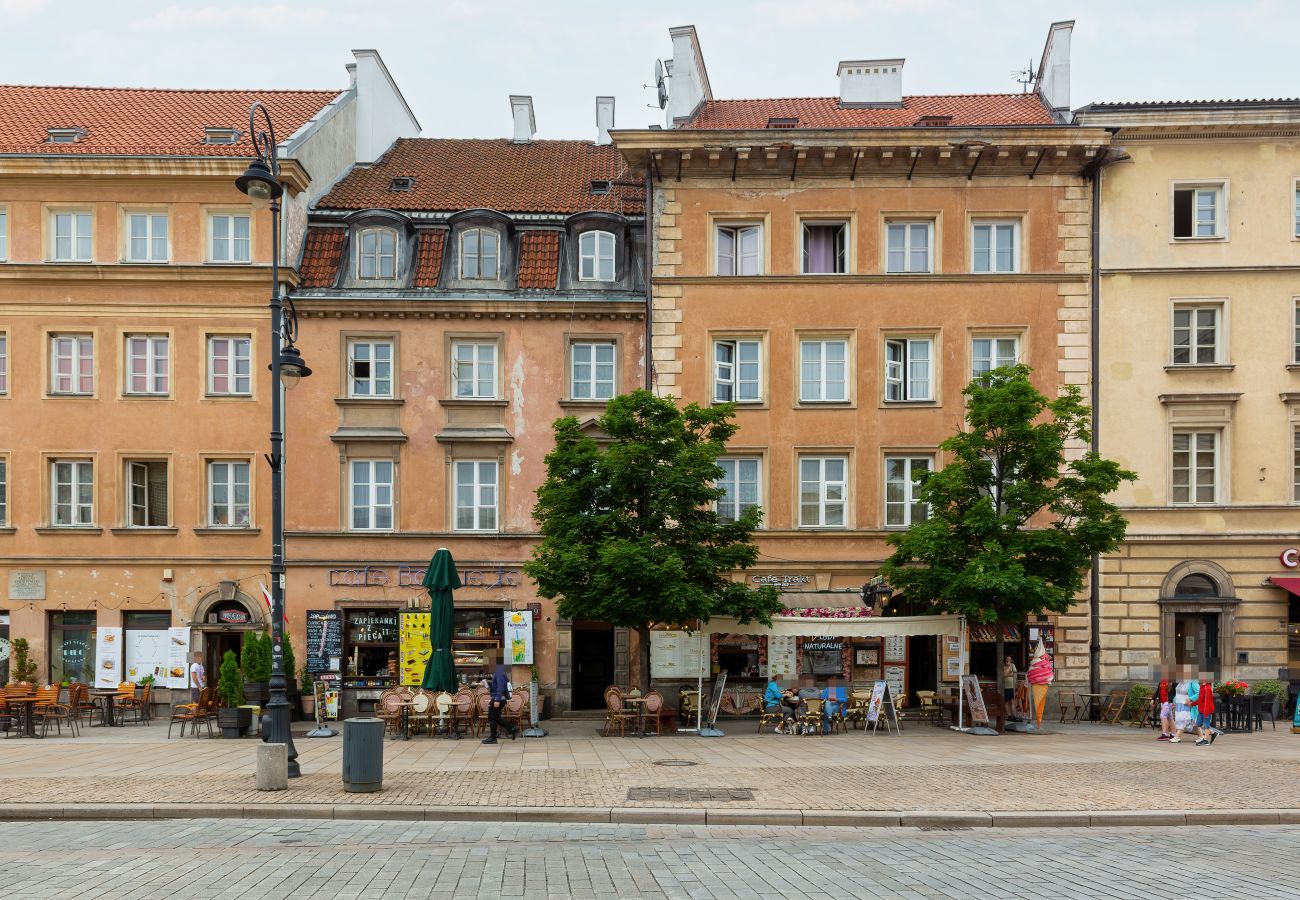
(1290, 557)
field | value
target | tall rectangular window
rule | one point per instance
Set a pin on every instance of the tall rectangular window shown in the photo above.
(596, 256)
(1295, 353)
(146, 493)
(4, 491)
(823, 491)
(230, 365)
(4, 235)
(70, 236)
(592, 370)
(146, 237)
(988, 353)
(902, 477)
(72, 647)
(4, 363)
(740, 249)
(370, 368)
(228, 494)
(476, 495)
(377, 253)
(474, 370)
(823, 371)
(995, 247)
(146, 364)
(230, 236)
(825, 248)
(909, 246)
(737, 371)
(909, 373)
(1198, 211)
(72, 364)
(371, 487)
(1195, 466)
(1295, 229)
(1295, 468)
(478, 254)
(1196, 335)
(72, 489)
(740, 482)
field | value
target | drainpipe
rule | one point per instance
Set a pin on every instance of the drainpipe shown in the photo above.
(649, 292)
(1094, 589)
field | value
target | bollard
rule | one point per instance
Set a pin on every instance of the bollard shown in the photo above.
(363, 755)
(272, 767)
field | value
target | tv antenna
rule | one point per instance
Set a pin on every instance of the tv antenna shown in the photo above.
(660, 85)
(1026, 76)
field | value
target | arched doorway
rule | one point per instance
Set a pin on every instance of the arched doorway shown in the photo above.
(1197, 616)
(221, 619)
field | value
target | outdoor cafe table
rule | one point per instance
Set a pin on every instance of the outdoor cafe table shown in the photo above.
(405, 719)
(106, 696)
(639, 704)
(25, 703)
(1093, 704)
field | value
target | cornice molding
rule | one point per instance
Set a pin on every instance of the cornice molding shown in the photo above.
(892, 280)
(292, 173)
(44, 273)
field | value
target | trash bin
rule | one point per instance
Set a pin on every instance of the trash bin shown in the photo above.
(363, 755)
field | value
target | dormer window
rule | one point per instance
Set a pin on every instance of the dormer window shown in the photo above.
(402, 184)
(596, 256)
(65, 135)
(600, 187)
(377, 254)
(782, 123)
(220, 135)
(478, 254)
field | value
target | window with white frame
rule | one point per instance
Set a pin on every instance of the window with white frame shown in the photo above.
(1295, 226)
(377, 253)
(909, 247)
(823, 491)
(371, 491)
(1295, 353)
(1295, 469)
(995, 247)
(146, 364)
(1196, 335)
(72, 493)
(741, 485)
(739, 249)
(146, 237)
(478, 254)
(72, 364)
(4, 491)
(4, 234)
(474, 370)
(4, 363)
(230, 238)
(823, 370)
(909, 369)
(475, 494)
(737, 371)
(228, 494)
(146, 494)
(988, 352)
(1198, 211)
(596, 256)
(592, 370)
(70, 235)
(902, 481)
(1195, 466)
(825, 248)
(230, 365)
(370, 368)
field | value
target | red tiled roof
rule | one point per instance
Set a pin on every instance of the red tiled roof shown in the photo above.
(539, 259)
(452, 174)
(826, 112)
(322, 252)
(428, 259)
(144, 122)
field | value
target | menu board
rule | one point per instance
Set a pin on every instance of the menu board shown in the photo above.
(178, 655)
(896, 648)
(675, 654)
(324, 640)
(519, 636)
(896, 677)
(970, 686)
(951, 657)
(108, 656)
(146, 654)
(782, 659)
(413, 647)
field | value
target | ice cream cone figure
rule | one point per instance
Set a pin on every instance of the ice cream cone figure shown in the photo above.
(1039, 676)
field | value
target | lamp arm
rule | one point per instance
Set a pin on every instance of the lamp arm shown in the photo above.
(289, 323)
(264, 144)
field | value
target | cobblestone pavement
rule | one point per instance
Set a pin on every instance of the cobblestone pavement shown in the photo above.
(217, 858)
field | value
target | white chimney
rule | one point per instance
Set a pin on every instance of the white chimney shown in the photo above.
(352, 74)
(871, 82)
(688, 80)
(521, 110)
(1053, 82)
(604, 118)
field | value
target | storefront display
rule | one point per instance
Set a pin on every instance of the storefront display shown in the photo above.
(370, 647)
(72, 647)
(476, 633)
(4, 648)
(144, 645)
(742, 657)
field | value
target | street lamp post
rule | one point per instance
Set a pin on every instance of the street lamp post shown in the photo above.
(261, 183)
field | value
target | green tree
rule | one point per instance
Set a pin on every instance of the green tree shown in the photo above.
(1012, 523)
(230, 683)
(629, 531)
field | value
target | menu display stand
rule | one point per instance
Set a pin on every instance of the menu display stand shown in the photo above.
(321, 729)
(709, 728)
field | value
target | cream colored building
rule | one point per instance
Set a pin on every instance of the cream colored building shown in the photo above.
(1199, 384)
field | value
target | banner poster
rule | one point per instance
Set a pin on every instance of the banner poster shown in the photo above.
(108, 656)
(414, 648)
(782, 656)
(877, 698)
(178, 658)
(145, 653)
(519, 636)
(970, 687)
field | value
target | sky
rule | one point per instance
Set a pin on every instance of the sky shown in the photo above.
(457, 61)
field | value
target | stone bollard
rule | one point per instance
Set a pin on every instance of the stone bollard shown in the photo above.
(272, 767)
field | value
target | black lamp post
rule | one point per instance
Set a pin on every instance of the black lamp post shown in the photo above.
(261, 183)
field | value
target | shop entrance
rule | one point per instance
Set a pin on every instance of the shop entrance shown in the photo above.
(593, 663)
(922, 663)
(1196, 641)
(215, 645)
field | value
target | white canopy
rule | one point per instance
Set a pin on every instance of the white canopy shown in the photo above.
(869, 626)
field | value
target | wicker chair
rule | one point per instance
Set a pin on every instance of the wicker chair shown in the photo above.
(809, 721)
(389, 708)
(654, 710)
(616, 716)
(855, 711)
(512, 715)
(422, 711)
(462, 712)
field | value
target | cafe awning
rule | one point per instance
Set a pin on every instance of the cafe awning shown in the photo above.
(1287, 584)
(869, 626)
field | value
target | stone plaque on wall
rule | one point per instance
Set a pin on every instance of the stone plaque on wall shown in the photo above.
(27, 584)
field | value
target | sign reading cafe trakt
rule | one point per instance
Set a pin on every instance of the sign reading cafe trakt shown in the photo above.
(412, 575)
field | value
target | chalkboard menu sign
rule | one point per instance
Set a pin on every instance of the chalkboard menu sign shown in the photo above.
(324, 640)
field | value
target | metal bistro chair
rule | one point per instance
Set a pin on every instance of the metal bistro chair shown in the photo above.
(809, 720)
(1070, 704)
(855, 710)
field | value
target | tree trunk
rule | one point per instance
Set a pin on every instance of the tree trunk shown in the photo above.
(1000, 656)
(643, 657)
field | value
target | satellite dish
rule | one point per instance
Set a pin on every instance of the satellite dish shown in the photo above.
(660, 85)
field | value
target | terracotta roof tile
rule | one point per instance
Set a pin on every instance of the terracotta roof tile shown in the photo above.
(451, 175)
(539, 259)
(322, 252)
(826, 112)
(428, 259)
(144, 122)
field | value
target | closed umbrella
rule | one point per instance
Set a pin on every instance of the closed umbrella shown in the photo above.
(440, 580)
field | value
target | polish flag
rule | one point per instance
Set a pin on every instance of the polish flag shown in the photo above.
(270, 607)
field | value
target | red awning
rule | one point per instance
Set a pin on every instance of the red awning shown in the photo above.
(1287, 584)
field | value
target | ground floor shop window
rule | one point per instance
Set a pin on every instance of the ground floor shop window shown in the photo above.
(4, 648)
(741, 656)
(370, 646)
(72, 647)
(145, 644)
(476, 634)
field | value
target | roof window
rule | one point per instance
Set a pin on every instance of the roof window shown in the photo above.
(220, 135)
(65, 135)
(782, 123)
(402, 183)
(933, 121)
(600, 187)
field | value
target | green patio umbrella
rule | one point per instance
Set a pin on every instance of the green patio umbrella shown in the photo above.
(440, 580)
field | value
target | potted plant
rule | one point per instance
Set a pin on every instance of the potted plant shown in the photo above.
(24, 670)
(256, 671)
(307, 693)
(1271, 687)
(232, 717)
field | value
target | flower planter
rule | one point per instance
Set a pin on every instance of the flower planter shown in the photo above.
(234, 722)
(255, 692)
(308, 702)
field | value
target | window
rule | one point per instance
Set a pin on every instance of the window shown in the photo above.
(72, 483)
(230, 238)
(4, 490)
(228, 495)
(596, 256)
(823, 371)
(72, 369)
(4, 363)
(822, 491)
(988, 353)
(902, 477)
(736, 371)
(4, 235)
(1295, 229)
(909, 246)
(72, 647)
(146, 237)
(1198, 211)
(146, 494)
(1295, 473)
(145, 643)
(146, 364)
(377, 254)
(1196, 335)
(370, 368)
(592, 370)
(740, 249)
(478, 254)
(371, 487)
(230, 365)
(1295, 357)
(995, 247)
(70, 237)
(908, 372)
(740, 482)
(825, 248)
(220, 135)
(473, 370)
(65, 135)
(1195, 466)
(476, 495)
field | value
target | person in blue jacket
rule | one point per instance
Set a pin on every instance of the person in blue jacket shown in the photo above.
(834, 696)
(499, 688)
(772, 697)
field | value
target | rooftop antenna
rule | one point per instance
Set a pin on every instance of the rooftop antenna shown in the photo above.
(660, 86)
(1026, 76)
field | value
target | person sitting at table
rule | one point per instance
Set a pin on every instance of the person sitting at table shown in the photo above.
(772, 699)
(834, 696)
(790, 703)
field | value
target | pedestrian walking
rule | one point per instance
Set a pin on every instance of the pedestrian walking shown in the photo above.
(1183, 712)
(499, 691)
(198, 677)
(1203, 702)
(1164, 693)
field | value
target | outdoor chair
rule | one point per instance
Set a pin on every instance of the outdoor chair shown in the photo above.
(482, 704)
(654, 707)
(462, 712)
(1114, 707)
(183, 713)
(930, 708)
(809, 721)
(58, 713)
(389, 708)
(137, 704)
(512, 715)
(773, 717)
(442, 712)
(46, 696)
(855, 711)
(1070, 704)
(616, 716)
(422, 711)
(689, 701)
(79, 700)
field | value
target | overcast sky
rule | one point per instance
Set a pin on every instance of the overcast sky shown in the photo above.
(456, 61)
